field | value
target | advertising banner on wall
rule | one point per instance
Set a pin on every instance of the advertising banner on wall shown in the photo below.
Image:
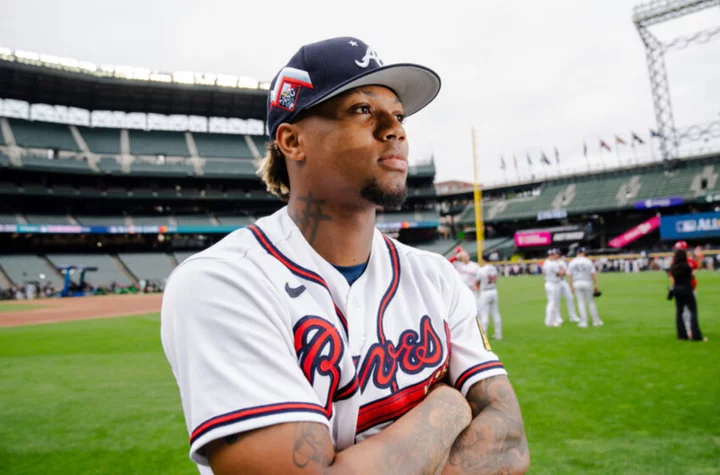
(690, 226)
(635, 233)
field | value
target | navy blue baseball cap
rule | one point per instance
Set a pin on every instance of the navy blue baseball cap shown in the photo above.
(322, 70)
(581, 249)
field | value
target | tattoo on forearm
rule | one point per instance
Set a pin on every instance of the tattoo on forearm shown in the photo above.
(495, 442)
(440, 421)
(312, 214)
(312, 441)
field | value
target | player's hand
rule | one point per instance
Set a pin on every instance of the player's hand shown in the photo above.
(671, 293)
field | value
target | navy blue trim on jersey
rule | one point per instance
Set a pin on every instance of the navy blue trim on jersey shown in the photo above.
(253, 413)
(387, 298)
(348, 391)
(296, 269)
(475, 370)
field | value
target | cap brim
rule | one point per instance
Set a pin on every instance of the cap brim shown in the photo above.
(416, 86)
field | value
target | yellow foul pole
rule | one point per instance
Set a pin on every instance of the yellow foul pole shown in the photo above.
(479, 227)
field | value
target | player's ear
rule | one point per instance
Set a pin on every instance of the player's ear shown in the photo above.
(289, 142)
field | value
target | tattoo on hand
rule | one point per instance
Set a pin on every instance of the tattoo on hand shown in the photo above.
(312, 214)
(495, 442)
(311, 445)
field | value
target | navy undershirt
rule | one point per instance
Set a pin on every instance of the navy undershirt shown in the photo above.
(352, 273)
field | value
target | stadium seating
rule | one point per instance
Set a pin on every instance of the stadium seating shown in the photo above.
(157, 220)
(109, 165)
(260, 143)
(193, 220)
(4, 160)
(23, 268)
(101, 220)
(239, 221)
(43, 135)
(146, 168)
(44, 163)
(222, 145)
(226, 168)
(438, 246)
(108, 269)
(158, 143)
(148, 266)
(180, 256)
(47, 219)
(101, 140)
(8, 219)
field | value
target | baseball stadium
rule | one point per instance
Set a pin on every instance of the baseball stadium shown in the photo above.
(111, 177)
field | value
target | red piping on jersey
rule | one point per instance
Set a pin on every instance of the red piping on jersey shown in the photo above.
(481, 368)
(389, 294)
(295, 268)
(252, 413)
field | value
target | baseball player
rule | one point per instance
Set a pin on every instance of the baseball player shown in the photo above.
(309, 342)
(553, 273)
(583, 283)
(566, 292)
(683, 245)
(488, 299)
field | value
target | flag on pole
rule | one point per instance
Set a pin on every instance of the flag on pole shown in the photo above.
(619, 141)
(515, 161)
(636, 138)
(544, 159)
(585, 149)
(605, 145)
(557, 156)
(502, 163)
(655, 134)
(529, 160)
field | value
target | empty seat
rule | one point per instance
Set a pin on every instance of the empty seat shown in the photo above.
(107, 272)
(151, 169)
(226, 168)
(148, 266)
(33, 134)
(158, 143)
(47, 219)
(222, 145)
(29, 268)
(44, 163)
(101, 140)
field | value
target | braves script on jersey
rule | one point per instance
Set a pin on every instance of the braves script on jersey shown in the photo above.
(259, 330)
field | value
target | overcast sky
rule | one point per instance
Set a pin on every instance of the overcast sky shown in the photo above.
(529, 76)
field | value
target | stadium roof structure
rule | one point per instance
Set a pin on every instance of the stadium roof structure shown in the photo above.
(42, 79)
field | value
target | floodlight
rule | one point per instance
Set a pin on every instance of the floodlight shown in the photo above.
(183, 77)
(226, 80)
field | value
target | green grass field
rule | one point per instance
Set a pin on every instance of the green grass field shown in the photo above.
(17, 307)
(97, 397)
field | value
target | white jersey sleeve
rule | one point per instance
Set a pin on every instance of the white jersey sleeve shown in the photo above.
(471, 357)
(230, 346)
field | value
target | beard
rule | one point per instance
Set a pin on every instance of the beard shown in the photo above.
(387, 198)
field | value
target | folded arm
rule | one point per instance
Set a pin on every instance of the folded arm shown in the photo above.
(418, 442)
(495, 441)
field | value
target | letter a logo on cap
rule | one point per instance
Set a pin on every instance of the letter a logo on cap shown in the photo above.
(370, 55)
(287, 88)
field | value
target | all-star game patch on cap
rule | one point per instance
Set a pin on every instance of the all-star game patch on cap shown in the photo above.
(322, 70)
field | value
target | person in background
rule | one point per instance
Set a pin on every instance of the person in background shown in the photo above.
(681, 277)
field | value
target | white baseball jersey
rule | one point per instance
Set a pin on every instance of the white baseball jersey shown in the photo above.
(488, 277)
(581, 270)
(469, 272)
(550, 270)
(259, 330)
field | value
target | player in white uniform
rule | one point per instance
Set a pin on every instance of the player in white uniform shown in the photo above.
(296, 339)
(566, 293)
(553, 274)
(469, 273)
(489, 299)
(584, 283)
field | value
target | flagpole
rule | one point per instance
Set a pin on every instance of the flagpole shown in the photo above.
(477, 194)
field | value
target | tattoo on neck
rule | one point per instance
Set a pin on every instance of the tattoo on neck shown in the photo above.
(308, 220)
